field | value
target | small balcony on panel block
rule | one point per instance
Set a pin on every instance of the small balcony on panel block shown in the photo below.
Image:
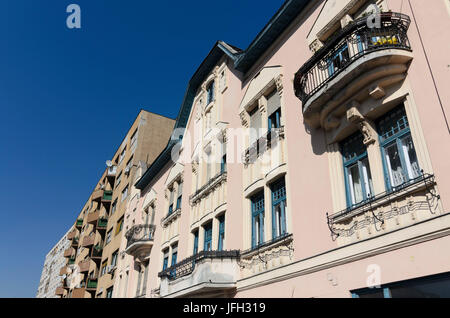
(73, 234)
(86, 265)
(93, 217)
(79, 292)
(69, 252)
(96, 253)
(63, 271)
(107, 196)
(206, 274)
(88, 240)
(75, 242)
(140, 241)
(59, 291)
(355, 63)
(79, 223)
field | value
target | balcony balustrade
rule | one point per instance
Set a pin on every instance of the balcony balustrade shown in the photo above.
(207, 272)
(140, 240)
(69, 252)
(59, 291)
(93, 217)
(79, 223)
(356, 56)
(88, 241)
(107, 196)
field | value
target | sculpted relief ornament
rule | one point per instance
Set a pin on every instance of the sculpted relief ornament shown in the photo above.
(355, 117)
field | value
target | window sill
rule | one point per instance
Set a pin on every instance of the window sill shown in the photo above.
(420, 183)
(284, 239)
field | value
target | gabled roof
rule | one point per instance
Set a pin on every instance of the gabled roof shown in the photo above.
(217, 52)
(243, 61)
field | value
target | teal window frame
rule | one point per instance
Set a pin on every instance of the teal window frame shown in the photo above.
(275, 119)
(207, 244)
(257, 211)
(196, 242)
(350, 158)
(394, 135)
(278, 191)
(221, 220)
(165, 259)
(338, 55)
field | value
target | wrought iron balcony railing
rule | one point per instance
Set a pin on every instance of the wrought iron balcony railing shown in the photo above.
(349, 44)
(187, 266)
(368, 205)
(140, 233)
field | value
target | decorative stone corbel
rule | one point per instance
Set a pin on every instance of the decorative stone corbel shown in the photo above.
(244, 118)
(279, 84)
(315, 45)
(262, 104)
(355, 117)
(377, 92)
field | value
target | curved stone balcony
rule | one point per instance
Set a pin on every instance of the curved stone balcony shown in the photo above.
(357, 62)
(208, 273)
(140, 240)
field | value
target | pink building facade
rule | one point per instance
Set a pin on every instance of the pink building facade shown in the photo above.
(312, 164)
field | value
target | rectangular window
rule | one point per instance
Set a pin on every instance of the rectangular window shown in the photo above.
(122, 155)
(108, 236)
(114, 207)
(129, 165)
(358, 179)
(171, 195)
(174, 255)
(257, 207)
(223, 164)
(278, 208)
(274, 110)
(119, 225)
(165, 259)
(207, 246)
(339, 60)
(104, 265)
(114, 258)
(397, 147)
(210, 93)
(133, 139)
(221, 220)
(109, 292)
(435, 286)
(124, 193)
(180, 195)
(195, 242)
(119, 177)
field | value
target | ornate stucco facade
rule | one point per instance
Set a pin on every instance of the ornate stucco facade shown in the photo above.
(314, 163)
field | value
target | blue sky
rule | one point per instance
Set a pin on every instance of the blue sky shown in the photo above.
(67, 97)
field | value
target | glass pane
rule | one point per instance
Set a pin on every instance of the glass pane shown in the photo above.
(367, 177)
(277, 211)
(394, 165)
(372, 293)
(422, 289)
(355, 184)
(409, 153)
